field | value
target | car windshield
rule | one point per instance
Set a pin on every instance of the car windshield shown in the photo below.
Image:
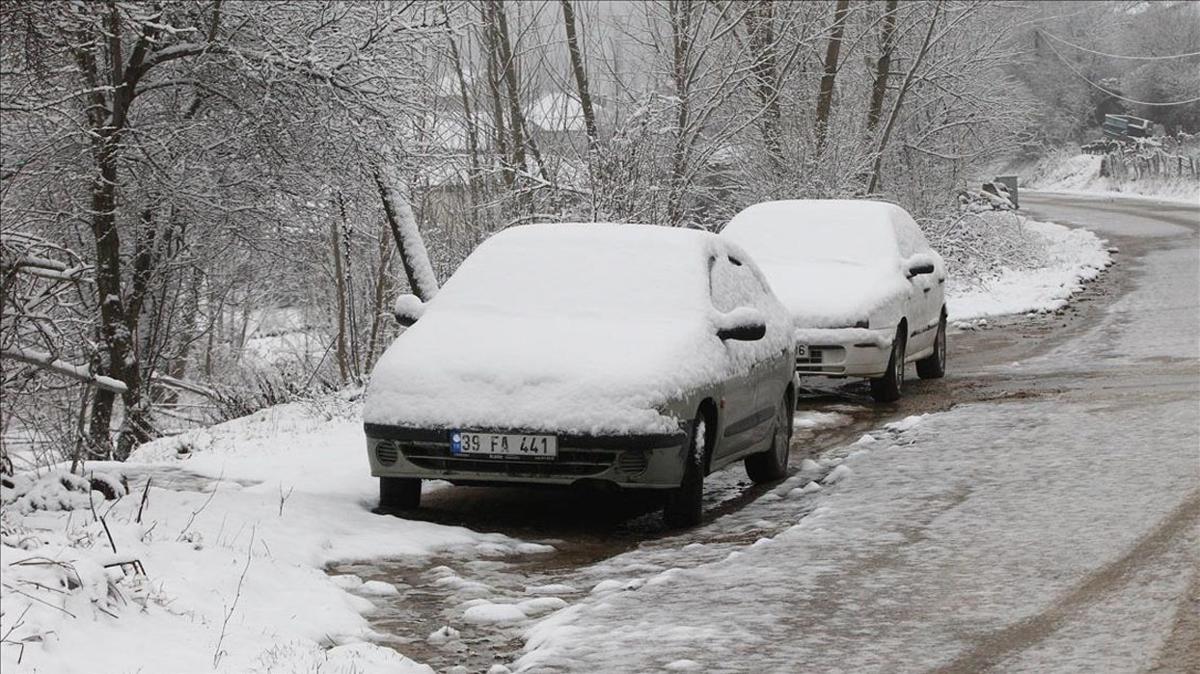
(580, 271)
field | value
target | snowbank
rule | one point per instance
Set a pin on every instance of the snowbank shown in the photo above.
(1071, 257)
(1080, 174)
(238, 523)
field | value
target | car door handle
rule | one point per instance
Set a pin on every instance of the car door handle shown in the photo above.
(927, 289)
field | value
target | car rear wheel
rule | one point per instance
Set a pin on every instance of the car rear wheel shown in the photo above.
(887, 388)
(685, 504)
(772, 464)
(934, 366)
(399, 493)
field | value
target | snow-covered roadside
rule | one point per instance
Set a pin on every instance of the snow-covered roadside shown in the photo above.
(239, 522)
(1080, 174)
(910, 549)
(241, 519)
(1070, 258)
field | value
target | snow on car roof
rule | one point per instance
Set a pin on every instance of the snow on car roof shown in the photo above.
(855, 231)
(609, 270)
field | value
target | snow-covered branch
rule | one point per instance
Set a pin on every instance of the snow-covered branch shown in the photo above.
(46, 361)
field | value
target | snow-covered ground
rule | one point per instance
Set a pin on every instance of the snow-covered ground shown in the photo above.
(1070, 257)
(910, 551)
(241, 519)
(1080, 174)
(239, 522)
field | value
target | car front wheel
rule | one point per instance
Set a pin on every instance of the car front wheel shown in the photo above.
(887, 388)
(399, 493)
(685, 504)
(934, 366)
(772, 464)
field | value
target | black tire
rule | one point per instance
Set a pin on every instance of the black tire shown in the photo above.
(934, 366)
(887, 388)
(685, 504)
(771, 465)
(399, 493)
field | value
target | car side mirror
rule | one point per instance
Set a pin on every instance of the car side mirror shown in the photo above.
(743, 333)
(744, 325)
(408, 309)
(918, 269)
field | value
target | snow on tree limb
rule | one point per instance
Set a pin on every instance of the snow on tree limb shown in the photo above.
(46, 361)
(407, 234)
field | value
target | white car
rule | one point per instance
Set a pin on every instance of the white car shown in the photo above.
(861, 282)
(625, 356)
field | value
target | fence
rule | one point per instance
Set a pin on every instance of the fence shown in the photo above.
(1157, 164)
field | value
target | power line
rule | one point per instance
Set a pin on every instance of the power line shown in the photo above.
(1117, 56)
(1113, 93)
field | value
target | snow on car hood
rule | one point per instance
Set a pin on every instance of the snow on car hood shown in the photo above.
(833, 294)
(461, 370)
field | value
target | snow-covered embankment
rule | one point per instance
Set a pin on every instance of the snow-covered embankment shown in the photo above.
(1069, 258)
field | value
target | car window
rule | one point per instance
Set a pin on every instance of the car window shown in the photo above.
(909, 238)
(734, 284)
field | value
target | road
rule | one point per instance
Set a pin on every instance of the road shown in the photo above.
(1046, 517)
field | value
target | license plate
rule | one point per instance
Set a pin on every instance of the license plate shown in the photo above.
(801, 351)
(504, 445)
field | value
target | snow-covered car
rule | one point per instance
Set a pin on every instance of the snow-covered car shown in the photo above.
(574, 354)
(861, 282)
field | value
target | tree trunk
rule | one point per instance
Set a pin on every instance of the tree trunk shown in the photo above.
(500, 138)
(877, 167)
(883, 66)
(407, 235)
(681, 16)
(825, 96)
(581, 81)
(340, 289)
(472, 134)
(348, 288)
(107, 116)
(761, 20)
(508, 70)
(381, 293)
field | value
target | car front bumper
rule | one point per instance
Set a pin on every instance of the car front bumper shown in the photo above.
(843, 352)
(627, 461)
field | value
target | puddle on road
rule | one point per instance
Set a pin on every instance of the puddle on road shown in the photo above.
(435, 594)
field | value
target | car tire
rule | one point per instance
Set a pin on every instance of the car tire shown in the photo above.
(399, 493)
(685, 503)
(771, 465)
(887, 388)
(934, 366)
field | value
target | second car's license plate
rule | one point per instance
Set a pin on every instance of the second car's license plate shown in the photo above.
(503, 444)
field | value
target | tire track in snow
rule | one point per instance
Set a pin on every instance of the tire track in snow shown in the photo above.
(992, 650)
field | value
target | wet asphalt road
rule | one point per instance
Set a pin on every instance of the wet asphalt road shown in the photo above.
(587, 528)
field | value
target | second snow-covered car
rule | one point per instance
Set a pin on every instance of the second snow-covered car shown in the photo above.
(862, 283)
(629, 355)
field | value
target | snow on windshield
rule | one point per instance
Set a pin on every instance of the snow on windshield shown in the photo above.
(832, 230)
(573, 270)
